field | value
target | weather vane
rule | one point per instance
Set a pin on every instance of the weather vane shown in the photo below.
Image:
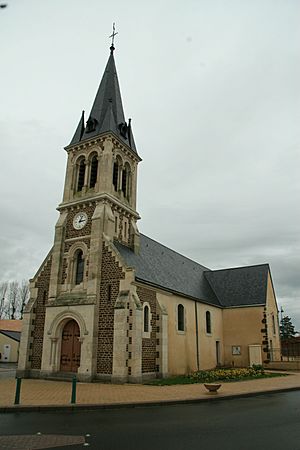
(112, 36)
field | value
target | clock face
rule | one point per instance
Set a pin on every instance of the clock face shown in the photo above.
(80, 220)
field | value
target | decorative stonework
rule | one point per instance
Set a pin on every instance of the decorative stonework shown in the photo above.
(70, 242)
(75, 149)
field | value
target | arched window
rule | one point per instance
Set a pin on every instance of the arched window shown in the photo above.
(81, 175)
(208, 322)
(94, 171)
(146, 319)
(180, 317)
(115, 175)
(126, 181)
(79, 267)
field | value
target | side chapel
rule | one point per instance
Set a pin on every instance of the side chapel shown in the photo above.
(110, 303)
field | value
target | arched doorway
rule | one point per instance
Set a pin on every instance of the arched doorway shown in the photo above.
(70, 347)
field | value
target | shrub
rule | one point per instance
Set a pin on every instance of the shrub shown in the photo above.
(209, 376)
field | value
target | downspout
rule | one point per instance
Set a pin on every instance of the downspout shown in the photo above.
(197, 337)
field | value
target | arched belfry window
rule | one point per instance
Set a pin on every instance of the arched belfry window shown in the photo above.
(81, 175)
(117, 172)
(94, 171)
(208, 322)
(126, 181)
(79, 267)
(146, 319)
(115, 175)
(180, 317)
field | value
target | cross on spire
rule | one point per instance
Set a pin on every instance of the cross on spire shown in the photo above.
(112, 36)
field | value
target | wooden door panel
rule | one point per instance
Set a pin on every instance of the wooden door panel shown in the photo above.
(70, 347)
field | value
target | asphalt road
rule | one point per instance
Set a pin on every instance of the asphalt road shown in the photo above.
(271, 421)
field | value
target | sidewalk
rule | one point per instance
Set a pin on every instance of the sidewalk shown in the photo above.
(40, 394)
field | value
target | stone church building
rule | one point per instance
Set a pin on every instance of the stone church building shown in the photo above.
(111, 303)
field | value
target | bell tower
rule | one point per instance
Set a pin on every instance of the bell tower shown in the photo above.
(72, 322)
(102, 162)
(98, 208)
(99, 199)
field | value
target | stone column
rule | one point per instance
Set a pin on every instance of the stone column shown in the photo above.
(69, 179)
(120, 352)
(87, 174)
(56, 255)
(136, 339)
(24, 363)
(163, 338)
(105, 180)
(164, 345)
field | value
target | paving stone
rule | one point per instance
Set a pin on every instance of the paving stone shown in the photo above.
(45, 392)
(35, 442)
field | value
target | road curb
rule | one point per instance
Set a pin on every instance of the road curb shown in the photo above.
(92, 407)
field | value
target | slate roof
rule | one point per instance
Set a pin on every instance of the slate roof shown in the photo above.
(15, 335)
(107, 111)
(240, 286)
(162, 267)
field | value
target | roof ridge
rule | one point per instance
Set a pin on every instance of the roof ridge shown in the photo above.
(239, 267)
(174, 251)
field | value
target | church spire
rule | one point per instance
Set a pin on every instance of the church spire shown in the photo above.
(107, 114)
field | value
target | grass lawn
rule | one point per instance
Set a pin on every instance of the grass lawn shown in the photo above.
(217, 376)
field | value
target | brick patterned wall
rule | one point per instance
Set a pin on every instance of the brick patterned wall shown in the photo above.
(111, 274)
(70, 231)
(37, 333)
(149, 354)
(69, 244)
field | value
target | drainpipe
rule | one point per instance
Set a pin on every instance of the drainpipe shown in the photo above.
(197, 337)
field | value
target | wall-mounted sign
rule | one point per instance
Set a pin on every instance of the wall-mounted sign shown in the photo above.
(236, 350)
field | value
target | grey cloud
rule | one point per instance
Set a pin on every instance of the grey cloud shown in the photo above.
(215, 121)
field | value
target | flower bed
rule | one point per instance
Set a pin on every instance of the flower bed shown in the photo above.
(232, 374)
(217, 375)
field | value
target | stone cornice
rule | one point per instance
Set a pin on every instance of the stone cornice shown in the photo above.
(100, 198)
(98, 140)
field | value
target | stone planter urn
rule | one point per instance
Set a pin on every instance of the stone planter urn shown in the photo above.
(212, 388)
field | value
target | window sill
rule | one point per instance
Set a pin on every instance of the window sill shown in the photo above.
(146, 335)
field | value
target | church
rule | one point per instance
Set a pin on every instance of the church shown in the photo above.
(109, 303)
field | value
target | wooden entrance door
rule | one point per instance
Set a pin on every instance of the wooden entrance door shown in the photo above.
(70, 347)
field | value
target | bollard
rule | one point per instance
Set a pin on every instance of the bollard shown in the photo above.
(18, 390)
(73, 397)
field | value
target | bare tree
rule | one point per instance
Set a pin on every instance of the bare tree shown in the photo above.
(24, 296)
(3, 298)
(13, 298)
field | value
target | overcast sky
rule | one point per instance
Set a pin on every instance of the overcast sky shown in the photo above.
(213, 91)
